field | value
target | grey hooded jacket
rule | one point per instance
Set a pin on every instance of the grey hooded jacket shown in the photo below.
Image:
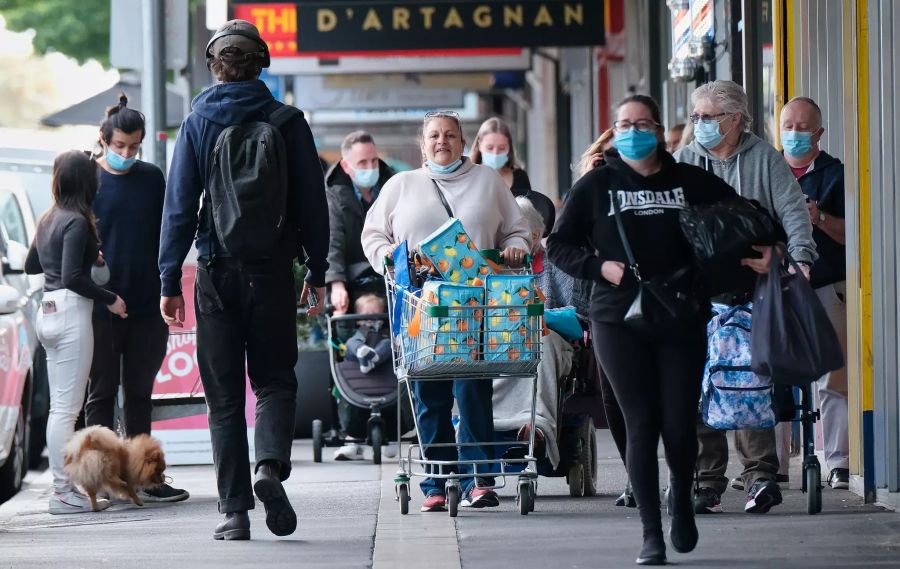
(759, 172)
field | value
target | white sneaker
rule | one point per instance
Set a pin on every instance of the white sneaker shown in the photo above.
(389, 451)
(350, 451)
(74, 502)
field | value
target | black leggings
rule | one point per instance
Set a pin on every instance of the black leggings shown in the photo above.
(657, 384)
(614, 419)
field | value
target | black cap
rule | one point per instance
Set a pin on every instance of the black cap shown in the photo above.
(241, 35)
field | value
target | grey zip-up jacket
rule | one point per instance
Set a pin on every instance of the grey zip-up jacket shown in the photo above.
(759, 172)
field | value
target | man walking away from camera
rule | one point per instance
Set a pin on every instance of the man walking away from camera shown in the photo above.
(254, 162)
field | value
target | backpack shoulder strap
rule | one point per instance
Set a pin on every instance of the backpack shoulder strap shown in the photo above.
(282, 115)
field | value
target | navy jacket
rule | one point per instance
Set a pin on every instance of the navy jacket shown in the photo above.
(214, 109)
(824, 184)
(129, 209)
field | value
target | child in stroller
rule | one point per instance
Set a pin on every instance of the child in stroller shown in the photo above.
(370, 345)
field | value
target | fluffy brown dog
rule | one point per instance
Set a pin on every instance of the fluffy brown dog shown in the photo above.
(97, 459)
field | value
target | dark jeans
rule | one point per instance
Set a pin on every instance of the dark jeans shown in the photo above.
(657, 383)
(756, 449)
(434, 406)
(129, 352)
(247, 313)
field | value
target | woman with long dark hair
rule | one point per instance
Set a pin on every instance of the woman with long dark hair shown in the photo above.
(64, 249)
(655, 374)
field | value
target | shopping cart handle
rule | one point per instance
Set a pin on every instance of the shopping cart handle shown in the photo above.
(496, 256)
(357, 317)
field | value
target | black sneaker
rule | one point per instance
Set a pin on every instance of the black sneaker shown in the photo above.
(763, 495)
(627, 498)
(839, 479)
(707, 501)
(480, 498)
(164, 493)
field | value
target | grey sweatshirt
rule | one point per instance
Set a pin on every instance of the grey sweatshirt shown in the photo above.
(409, 209)
(759, 172)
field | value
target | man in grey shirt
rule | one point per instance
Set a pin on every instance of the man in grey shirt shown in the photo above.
(724, 146)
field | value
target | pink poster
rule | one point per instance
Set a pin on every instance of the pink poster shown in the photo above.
(179, 376)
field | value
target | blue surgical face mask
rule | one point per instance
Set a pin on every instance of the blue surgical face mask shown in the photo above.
(708, 134)
(796, 143)
(119, 163)
(495, 161)
(365, 178)
(448, 169)
(635, 144)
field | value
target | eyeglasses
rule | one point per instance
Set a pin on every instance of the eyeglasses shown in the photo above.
(695, 118)
(643, 125)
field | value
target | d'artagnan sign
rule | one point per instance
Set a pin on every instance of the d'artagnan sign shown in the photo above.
(378, 26)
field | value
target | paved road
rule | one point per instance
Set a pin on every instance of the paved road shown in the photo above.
(348, 518)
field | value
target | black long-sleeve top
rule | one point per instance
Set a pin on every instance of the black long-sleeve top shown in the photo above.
(64, 251)
(585, 235)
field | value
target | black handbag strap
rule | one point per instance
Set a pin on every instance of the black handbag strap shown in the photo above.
(443, 199)
(632, 262)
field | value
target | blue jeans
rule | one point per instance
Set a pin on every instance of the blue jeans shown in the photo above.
(434, 404)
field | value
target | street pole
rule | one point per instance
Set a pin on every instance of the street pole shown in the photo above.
(153, 81)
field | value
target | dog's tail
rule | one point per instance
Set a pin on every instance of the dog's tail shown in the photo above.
(90, 458)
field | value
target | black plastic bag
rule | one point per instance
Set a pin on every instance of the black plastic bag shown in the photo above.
(723, 233)
(793, 342)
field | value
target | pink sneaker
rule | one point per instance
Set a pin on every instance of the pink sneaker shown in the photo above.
(434, 503)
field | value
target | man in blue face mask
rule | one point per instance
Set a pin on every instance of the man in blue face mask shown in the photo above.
(821, 178)
(353, 185)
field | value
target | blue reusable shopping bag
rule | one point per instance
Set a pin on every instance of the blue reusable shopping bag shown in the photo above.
(732, 396)
(564, 321)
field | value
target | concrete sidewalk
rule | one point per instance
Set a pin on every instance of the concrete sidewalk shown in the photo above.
(348, 518)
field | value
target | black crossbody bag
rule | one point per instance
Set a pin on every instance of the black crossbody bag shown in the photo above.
(663, 301)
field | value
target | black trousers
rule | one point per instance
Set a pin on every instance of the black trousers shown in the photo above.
(127, 351)
(656, 381)
(247, 315)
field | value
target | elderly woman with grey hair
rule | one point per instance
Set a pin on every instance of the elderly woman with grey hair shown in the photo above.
(724, 145)
(512, 397)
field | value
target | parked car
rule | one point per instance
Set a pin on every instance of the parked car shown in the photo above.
(25, 177)
(16, 373)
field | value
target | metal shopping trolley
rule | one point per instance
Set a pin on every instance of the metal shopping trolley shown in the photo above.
(425, 349)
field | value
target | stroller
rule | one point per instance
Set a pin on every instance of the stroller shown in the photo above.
(373, 391)
(579, 414)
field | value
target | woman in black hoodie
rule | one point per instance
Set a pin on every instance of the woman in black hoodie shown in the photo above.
(655, 376)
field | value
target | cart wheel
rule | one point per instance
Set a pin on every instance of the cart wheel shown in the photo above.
(403, 497)
(813, 489)
(576, 480)
(533, 486)
(376, 437)
(317, 440)
(453, 500)
(526, 497)
(589, 459)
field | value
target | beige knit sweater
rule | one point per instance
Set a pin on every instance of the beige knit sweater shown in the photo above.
(409, 209)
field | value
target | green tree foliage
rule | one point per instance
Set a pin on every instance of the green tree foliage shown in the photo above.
(79, 29)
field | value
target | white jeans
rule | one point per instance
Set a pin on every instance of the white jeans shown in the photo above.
(68, 337)
(832, 387)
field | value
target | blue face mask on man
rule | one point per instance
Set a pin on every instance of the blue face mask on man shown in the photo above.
(635, 144)
(118, 162)
(796, 143)
(448, 169)
(365, 178)
(495, 161)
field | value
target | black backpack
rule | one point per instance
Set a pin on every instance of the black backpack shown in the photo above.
(248, 186)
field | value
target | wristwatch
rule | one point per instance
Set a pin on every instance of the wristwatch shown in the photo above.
(821, 216)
